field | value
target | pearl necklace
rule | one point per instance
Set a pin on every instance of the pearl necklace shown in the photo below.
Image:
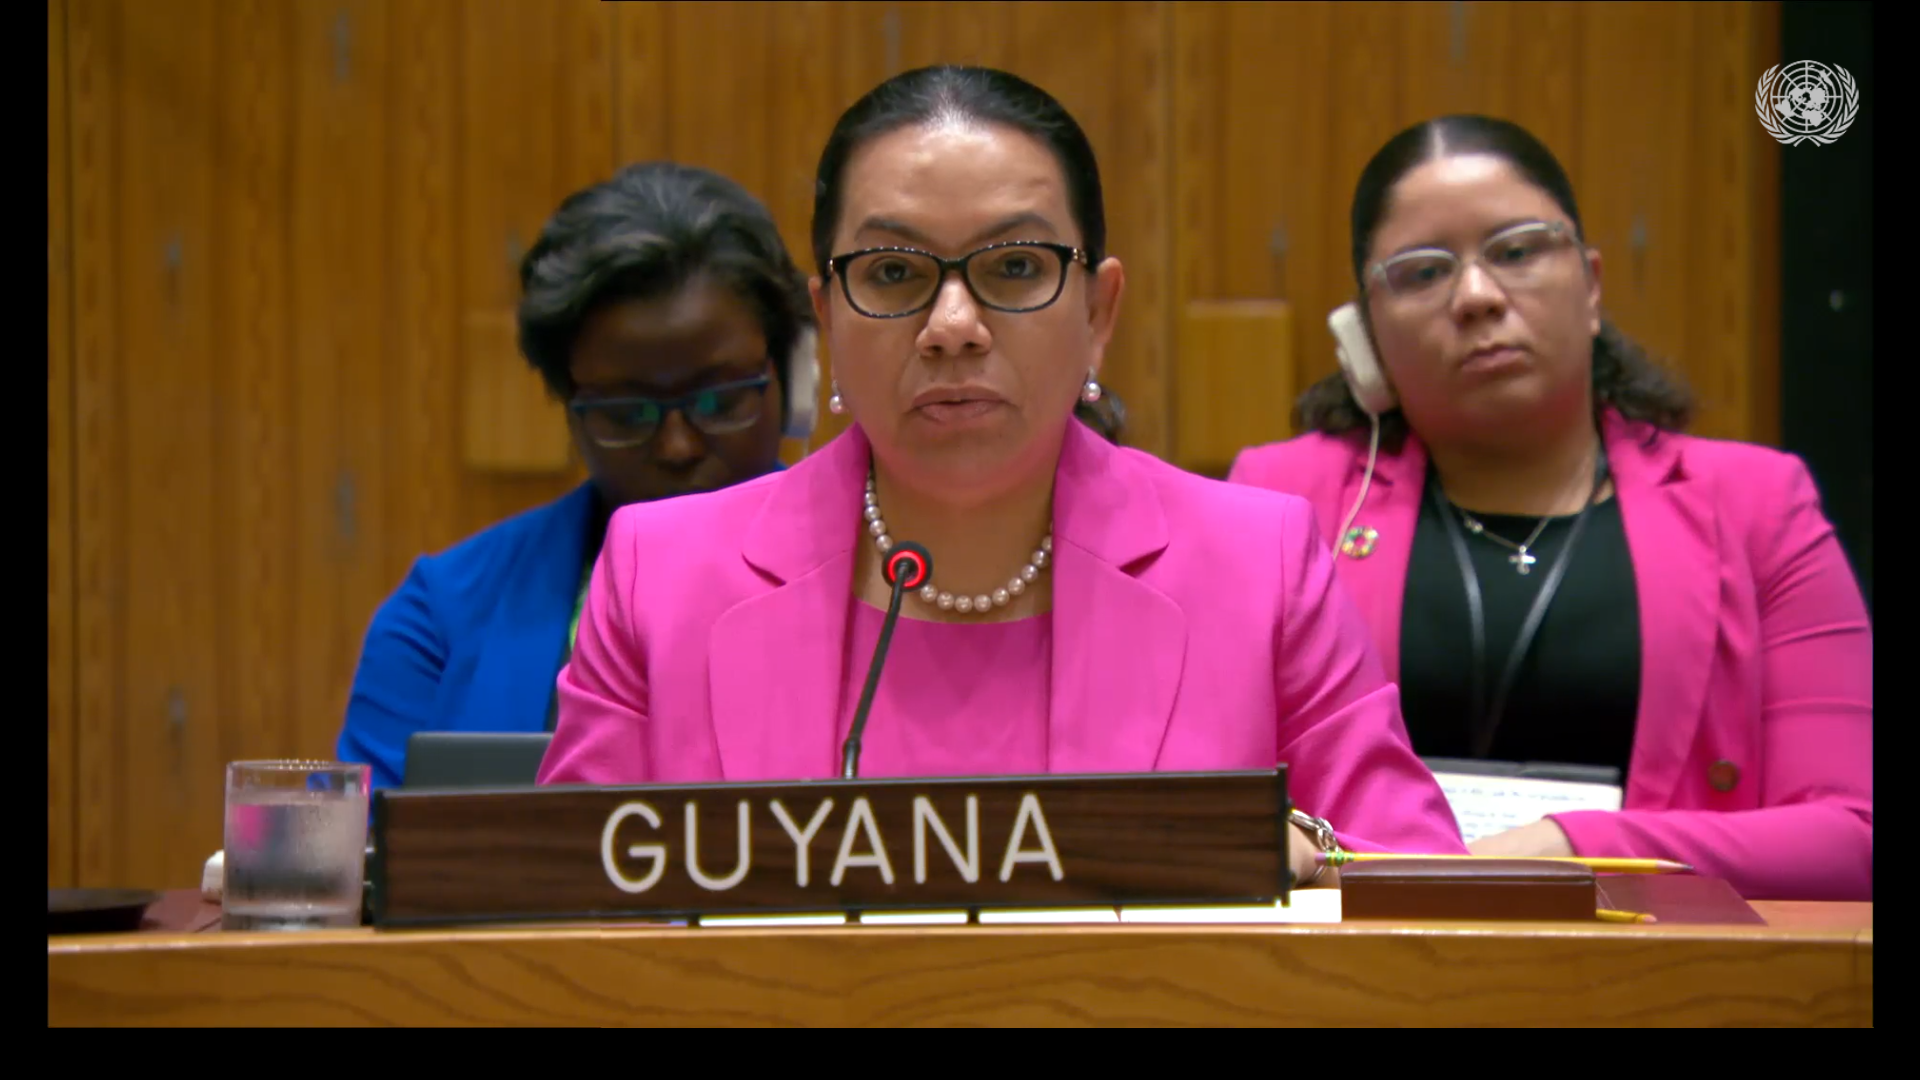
(946, 601)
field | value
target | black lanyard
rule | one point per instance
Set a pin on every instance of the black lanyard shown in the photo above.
(1486, 716)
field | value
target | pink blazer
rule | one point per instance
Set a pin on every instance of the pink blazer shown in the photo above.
(1753, 750)
(1197, 626)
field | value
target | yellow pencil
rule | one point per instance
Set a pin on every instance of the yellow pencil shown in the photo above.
(1598, 865)
(1609, 915)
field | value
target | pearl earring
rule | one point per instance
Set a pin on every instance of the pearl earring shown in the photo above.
(836, 404)
(1090, 393)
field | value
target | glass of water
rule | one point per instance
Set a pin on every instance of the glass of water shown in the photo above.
(296, 845)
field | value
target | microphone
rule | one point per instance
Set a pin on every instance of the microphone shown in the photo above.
(908, 567)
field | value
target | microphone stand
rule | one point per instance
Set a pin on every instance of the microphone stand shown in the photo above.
(917, 559)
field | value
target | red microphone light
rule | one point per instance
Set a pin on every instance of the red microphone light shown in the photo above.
(908, 566)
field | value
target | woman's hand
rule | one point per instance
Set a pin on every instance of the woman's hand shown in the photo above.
(1543, 838)
(1305, 858)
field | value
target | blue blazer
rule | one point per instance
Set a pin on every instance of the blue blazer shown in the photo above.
(473, 639)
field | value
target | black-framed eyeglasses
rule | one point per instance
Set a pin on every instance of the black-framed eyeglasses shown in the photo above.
(623, 423)
(1016, 276)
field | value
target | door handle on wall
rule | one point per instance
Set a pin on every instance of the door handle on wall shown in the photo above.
(177, 739)
(342, 47)
(516, 250)
(345, 511)
(890, 36)
(173, 259)
(1637, 244)
(1277, 247)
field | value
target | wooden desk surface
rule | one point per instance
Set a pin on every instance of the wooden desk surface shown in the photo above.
(1812, 965)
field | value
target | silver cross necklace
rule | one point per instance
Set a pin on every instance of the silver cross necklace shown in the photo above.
(1522, 557)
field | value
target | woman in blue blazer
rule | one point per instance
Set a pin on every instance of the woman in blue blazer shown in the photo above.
(663, 309)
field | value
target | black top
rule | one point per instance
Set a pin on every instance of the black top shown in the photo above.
(1576, 692)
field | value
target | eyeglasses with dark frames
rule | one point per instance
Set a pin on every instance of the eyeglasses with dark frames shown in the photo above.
(1015, 276)
(626, 422)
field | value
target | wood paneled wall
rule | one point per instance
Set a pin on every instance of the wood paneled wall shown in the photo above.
(283, 236)
(61, 800)
(1648, 106)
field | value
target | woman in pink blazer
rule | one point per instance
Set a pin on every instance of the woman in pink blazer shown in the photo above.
(1551, 569)
(1090, 609)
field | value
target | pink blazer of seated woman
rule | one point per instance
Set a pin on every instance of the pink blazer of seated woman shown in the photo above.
(1753, 747)
(1196, 626)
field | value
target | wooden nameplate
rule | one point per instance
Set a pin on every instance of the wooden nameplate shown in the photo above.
(589, 853)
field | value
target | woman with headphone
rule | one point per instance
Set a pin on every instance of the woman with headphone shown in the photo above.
(1553, 571)
(663, 309)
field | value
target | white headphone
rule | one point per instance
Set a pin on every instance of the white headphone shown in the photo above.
(1358, 364)
(803, 375)
(1368, 383)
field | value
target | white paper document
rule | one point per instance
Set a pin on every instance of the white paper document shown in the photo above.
(1484, 805)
